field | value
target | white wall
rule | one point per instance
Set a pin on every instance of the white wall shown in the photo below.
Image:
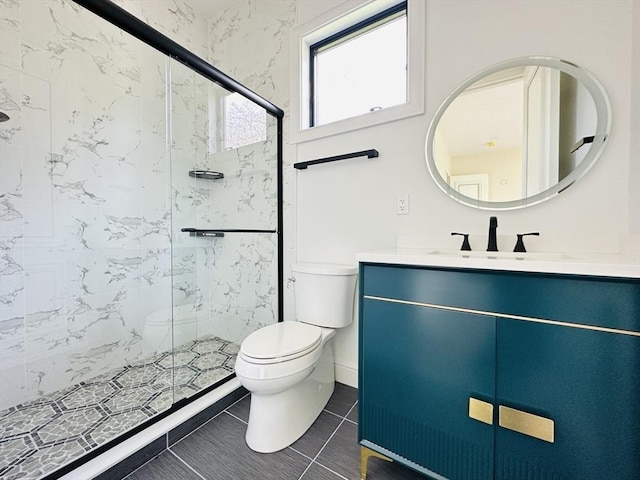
(634, 126)
(334, 211)
(504, 167)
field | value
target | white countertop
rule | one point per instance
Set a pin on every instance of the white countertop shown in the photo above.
(579, 264)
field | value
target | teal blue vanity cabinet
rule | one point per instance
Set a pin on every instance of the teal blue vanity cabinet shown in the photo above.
(424, 374)
(588, 382)
(479, 374)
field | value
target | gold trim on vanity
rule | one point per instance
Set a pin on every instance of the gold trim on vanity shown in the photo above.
(481, 411)
(365, 453)
(526, 423)
(506, 315)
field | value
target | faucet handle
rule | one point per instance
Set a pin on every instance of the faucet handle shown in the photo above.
(466, 246)
(520, 244)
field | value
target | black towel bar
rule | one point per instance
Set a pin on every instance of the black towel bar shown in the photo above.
(365, 153)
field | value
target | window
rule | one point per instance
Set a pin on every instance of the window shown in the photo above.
(360, 69)
(234, 121)
(244, 122)
(350, 23)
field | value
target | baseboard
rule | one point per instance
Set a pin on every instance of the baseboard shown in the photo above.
(347, 375)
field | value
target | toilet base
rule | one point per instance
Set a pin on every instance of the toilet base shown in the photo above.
(278, 420)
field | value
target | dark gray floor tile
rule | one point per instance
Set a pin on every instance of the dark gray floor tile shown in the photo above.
(342, 453)
(342, 399)
(164, 467)
(318, 472)
(204, 416)
(218, 451)
(135, 460)
(241, 408)
(353, 414)
(379, 469)
(317, 435)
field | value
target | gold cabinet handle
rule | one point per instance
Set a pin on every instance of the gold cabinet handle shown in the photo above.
(526, 423)
(481, 411)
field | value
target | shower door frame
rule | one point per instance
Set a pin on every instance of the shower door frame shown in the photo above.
(129, 23)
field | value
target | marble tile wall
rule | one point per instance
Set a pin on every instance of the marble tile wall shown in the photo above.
(85, 222)
(88, 210)
(227, 284)
(250, 40)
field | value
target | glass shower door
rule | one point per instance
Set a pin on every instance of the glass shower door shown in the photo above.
(224, 221)
(105, 304)
(84, 234)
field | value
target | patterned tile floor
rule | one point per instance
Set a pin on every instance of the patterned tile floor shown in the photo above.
(40, 436)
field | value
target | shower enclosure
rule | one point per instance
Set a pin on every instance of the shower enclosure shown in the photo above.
(140, 229)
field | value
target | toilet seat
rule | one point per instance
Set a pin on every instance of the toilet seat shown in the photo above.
(280, 342)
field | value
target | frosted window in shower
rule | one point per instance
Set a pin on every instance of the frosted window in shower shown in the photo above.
(244, 122)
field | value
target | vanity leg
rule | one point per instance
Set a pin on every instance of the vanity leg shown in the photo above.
(365, 453)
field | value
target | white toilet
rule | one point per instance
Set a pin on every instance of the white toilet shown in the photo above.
(288, 367)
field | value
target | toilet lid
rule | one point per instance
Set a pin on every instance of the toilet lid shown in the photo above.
(281, 340)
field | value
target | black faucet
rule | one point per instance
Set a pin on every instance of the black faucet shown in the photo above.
(520, 243)
(492, 246)
(466, 246)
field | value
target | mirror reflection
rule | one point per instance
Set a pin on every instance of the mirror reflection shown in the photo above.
(518, 133)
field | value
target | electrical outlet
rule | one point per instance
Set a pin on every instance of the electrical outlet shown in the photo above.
(402, 204)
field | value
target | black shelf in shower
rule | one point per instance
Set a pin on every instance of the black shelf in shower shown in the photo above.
(197, 232)
(206, 174)
(219, 232)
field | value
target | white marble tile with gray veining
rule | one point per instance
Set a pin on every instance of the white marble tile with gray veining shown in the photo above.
(90, 213)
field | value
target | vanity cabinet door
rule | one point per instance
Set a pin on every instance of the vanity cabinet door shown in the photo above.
(587, 382)
(419, 368)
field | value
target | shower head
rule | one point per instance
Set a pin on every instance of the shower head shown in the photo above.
(3, 117)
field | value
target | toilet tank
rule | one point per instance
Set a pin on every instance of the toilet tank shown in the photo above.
(324, 293)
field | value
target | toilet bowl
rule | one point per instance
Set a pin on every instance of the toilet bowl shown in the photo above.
(167, 328)
(289, 366)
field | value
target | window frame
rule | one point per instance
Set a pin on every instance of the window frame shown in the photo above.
(346, 34)
(332, 21)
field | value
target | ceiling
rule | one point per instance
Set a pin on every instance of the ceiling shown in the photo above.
(483, 115)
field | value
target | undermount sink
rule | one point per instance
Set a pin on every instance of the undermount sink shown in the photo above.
(538, 257)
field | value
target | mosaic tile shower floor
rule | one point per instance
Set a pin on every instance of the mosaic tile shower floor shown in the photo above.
(40, 436)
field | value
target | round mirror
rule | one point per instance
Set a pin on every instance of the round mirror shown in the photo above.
(518, 133)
